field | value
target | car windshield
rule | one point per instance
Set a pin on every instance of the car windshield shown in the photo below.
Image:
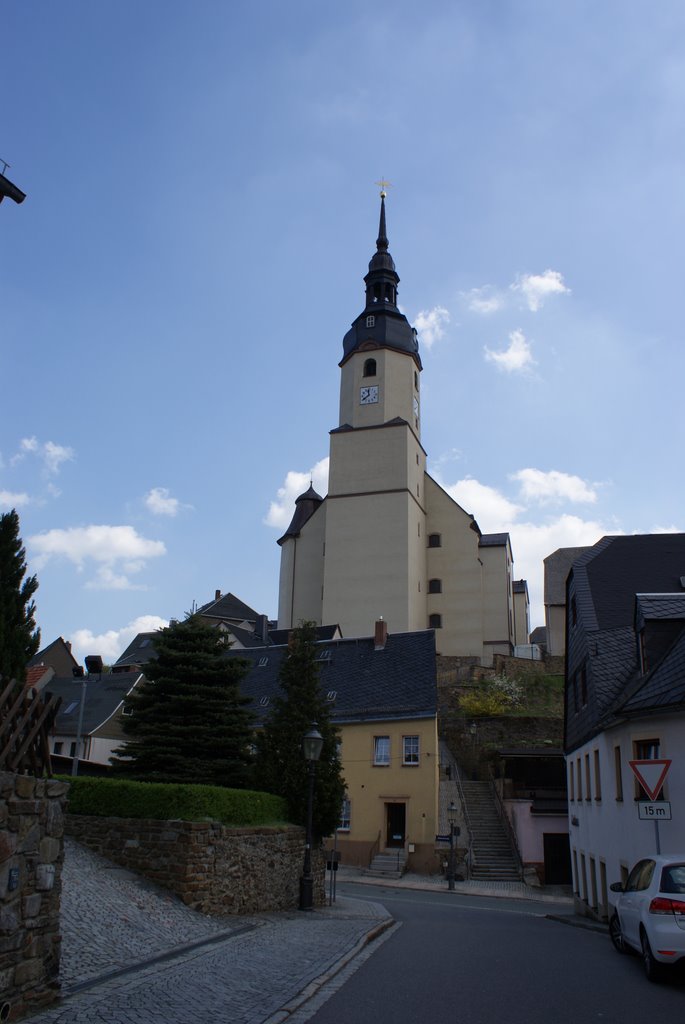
(673, 879)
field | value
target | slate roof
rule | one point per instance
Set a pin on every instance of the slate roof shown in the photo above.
(557, 567)
(659, 606)
(142, 647)
(519, 587)
(618, 568)
(493, 540)
(365, 684)
(103, 696)
(664, 686)
(228, 607)
(539, 636)
(56, 654)
(604, 582)
(305, 507)
(140, 650)
(280, 636)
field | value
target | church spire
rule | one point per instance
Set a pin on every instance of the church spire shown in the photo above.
(381, 323)
(382, 278)
(382, 240)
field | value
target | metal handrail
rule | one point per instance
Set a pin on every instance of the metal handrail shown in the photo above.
(467, 820)
(504, 817)
(375, 848)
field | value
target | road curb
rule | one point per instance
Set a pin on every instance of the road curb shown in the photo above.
(576, 921)
(317, 984)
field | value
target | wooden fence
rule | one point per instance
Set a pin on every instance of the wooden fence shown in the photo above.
(26, 718)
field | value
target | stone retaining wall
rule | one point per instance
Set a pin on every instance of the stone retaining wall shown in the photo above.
(31, 855)
(213, 868)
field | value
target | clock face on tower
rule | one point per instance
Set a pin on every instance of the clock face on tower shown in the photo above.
(368, 395)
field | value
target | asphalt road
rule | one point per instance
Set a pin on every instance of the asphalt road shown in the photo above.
(455, 958)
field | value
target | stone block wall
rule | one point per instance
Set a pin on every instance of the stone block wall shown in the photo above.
(31, 855)
(213, 868)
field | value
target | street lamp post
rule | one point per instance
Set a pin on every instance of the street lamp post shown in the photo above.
(452, 819)
(311, 748)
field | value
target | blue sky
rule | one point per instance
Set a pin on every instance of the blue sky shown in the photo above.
(200, 213)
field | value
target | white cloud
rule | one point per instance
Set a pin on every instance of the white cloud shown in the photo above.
(54, 455)
(532, 542)
(430, 325)
(535, 288)
(483, 300)
(553, 486)
(281, 510)
(111, 644)
(107, 545)
(160, 503)
(10, 500)
(515, 358)
(51, 455)
(489, 506)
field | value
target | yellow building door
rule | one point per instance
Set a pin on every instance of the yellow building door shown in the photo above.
(396, 818)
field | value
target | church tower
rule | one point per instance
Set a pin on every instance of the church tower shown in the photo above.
(388, 541)
(375, 515)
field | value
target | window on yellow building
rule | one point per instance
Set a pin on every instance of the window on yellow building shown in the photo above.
(381, 750)
(344, 825)
(410, 750)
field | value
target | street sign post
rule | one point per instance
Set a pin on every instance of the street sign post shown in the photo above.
(651, 774)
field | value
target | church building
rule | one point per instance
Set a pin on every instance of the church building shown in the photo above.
(387, 541)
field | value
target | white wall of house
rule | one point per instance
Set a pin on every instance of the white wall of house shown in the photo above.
(92, 748)
(606, 835)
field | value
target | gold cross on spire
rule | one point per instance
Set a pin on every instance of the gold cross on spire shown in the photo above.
(384, 185)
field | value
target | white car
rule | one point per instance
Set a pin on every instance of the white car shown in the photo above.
(649, 916)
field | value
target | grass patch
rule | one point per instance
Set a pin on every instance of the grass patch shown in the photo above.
(122, 798)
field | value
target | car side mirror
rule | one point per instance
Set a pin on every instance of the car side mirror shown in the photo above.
(616, 887)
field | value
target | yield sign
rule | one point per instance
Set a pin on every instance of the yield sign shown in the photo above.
(651, 775)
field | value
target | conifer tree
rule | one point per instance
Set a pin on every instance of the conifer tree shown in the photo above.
(188, 721)
(19, 635)
(280, 765)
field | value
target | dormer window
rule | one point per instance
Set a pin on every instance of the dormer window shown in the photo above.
(370, 321)
(370, 365)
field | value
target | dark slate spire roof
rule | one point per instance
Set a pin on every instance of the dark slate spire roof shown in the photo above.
(390, 329)
(305, 507)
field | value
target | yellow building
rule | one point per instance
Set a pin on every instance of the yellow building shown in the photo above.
(387, 539)
(383, 699)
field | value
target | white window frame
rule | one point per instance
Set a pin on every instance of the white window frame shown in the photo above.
(370, 321)
(411, 750)
(381, 751)
(345, 815)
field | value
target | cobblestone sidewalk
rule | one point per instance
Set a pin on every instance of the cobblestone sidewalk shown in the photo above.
(175, 965)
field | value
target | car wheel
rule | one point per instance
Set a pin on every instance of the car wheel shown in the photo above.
(616, 934)
(653, 969)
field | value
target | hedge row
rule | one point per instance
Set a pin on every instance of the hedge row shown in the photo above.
(122, 798)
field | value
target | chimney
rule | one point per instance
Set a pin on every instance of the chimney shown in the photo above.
(217, 595)
(380, 635)
(262, 629)
(67, 644)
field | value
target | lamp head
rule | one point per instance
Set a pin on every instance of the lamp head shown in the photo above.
(312, 744)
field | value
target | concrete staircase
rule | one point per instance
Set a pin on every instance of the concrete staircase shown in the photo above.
(493, 856)
(389, 864)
